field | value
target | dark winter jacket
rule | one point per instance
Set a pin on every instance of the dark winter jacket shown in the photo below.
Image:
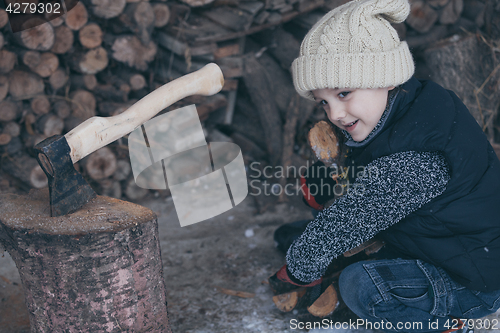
(435, 193)
(459, 230)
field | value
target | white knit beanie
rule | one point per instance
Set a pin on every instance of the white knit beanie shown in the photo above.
(354, 46)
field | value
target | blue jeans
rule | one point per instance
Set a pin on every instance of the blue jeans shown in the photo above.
(412, 295)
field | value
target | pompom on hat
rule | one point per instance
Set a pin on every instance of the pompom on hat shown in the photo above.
(355, 46)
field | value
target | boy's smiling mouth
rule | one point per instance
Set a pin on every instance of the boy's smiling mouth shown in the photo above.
(351, 125)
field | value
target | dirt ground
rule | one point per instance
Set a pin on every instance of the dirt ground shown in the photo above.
(234, 250)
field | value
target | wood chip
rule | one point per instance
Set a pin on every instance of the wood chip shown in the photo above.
(237, 293)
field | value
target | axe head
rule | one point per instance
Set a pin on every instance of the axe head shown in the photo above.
(68, 190)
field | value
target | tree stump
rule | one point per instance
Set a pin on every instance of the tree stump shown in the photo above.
(96, 270)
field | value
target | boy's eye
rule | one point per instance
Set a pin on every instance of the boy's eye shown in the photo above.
(344, 94)
(323, 102)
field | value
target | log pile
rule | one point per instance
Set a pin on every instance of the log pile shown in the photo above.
(104, 55)
(96, 60)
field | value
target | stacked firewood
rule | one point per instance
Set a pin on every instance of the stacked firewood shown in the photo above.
(62, 72)
(97, 59)
(103, 55)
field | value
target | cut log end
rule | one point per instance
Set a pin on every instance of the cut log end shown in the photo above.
(5, 138)
(108, 8)
(162, 14)
(36, 34)
(50, 125)
(4, 87)
(325, 304)
(44, 64)
(63, 40)
(101, 164)
(10, 110)
(286, 302)
(38, 178)
(90, 62)
(77, 17)
(58, 79)
(4, 18)
(40, 105)
(323, 141)
(24, 85)
(83, 104)
(134, 192)
(90, 36)
(7, 61)
(130, 50)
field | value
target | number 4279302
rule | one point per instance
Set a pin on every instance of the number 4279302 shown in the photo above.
(474, 324)
(33, 8)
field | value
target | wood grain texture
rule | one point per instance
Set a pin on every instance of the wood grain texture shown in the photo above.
(96, 270)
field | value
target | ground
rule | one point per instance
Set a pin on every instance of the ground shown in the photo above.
(234, 250)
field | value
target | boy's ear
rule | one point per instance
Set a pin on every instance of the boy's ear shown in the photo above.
(392, 87)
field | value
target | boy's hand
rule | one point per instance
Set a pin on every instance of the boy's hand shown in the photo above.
(281, 282)
(318, 185)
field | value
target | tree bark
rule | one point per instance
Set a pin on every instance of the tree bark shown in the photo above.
(289, 132)
(25, 169)
(97, 270)
(4, 87)
(260, 90)
(4, 18)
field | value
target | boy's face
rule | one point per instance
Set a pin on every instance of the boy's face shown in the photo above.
(355, 110)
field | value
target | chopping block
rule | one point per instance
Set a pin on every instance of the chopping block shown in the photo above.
(96, 270)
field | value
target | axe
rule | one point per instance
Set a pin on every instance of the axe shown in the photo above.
(56, 155)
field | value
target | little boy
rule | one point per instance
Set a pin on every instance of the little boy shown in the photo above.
(434, 198)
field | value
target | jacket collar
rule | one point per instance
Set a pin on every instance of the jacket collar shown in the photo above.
(399, 98)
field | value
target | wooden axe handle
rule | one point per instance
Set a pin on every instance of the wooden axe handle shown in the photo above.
(97, 132)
